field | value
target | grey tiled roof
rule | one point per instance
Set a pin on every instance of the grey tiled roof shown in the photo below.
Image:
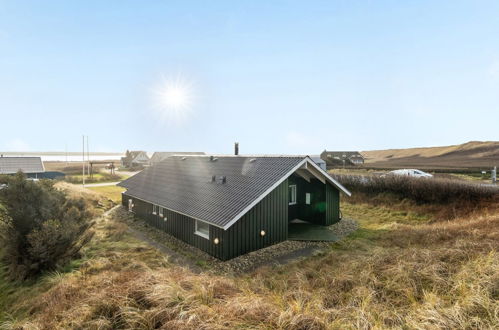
(10, 165)
(160, 155)
(183, 184)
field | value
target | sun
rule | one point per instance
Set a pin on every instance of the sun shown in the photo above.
(173, 98)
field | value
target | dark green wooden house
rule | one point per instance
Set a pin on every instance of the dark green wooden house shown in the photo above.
(231, 205)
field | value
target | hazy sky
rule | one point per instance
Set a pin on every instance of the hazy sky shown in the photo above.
(286, 77)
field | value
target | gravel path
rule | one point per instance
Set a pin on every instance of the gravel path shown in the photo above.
(184, 254)
(286, 252)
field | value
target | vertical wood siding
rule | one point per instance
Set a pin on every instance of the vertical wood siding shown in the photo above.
(332, 205)
(178, 225)
(270, 215)
(315, 212)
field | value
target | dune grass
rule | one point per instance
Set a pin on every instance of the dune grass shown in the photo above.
(402, 269)
(111, 192)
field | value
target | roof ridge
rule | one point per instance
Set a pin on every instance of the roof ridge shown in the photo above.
(245, 156)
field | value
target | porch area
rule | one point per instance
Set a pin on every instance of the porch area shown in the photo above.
(299, 230)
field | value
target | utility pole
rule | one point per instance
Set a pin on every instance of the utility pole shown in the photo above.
(88, 160)
(83, 160)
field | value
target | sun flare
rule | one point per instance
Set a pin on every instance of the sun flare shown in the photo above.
(174, 99)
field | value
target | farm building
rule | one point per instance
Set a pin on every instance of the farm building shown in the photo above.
(231, 205)
(31, 166)
(158, 156)
(340, 158)
(135, 159)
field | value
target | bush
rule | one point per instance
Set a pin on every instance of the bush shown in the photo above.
(40, 228)
(420, 190)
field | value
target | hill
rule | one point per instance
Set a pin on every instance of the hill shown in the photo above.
(474, 154)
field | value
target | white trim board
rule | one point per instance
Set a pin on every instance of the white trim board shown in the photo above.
(329, 178)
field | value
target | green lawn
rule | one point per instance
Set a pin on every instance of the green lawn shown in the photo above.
(100, 177)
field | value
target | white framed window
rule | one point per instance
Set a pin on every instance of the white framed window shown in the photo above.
(202, 229)
(130, 205)
(161, 211)
(292, 194)
(155, 209)
(308, 198)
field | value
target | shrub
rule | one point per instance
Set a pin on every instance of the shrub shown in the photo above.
(420, 190)
(40, 228)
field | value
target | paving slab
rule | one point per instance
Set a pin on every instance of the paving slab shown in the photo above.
(311, 232)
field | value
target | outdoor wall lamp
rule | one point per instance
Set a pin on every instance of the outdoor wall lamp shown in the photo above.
(262, 233)
(216, 241)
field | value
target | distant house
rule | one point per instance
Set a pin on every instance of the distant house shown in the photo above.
(31, 166)
(319, 161)
(340, 158)
(231, 205)
(158, 156)
(135, 159)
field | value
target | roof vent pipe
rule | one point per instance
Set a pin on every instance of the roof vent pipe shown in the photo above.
(213, 178)
(236, 148)
(224, 179)
(211, 158)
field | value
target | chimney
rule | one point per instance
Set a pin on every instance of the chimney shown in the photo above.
(211, 158)
(236, 148)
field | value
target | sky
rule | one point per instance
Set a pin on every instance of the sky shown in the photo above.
(279, 77)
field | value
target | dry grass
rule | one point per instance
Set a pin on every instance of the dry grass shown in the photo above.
(444, 199)
(401, 270)
(74, 168)
(98, 201)
(111, 192)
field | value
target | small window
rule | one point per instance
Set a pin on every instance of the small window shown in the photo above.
(292, 195)
(130, 205)
(202, 229)
(155, 209)
(308, 198)
(161, 211)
